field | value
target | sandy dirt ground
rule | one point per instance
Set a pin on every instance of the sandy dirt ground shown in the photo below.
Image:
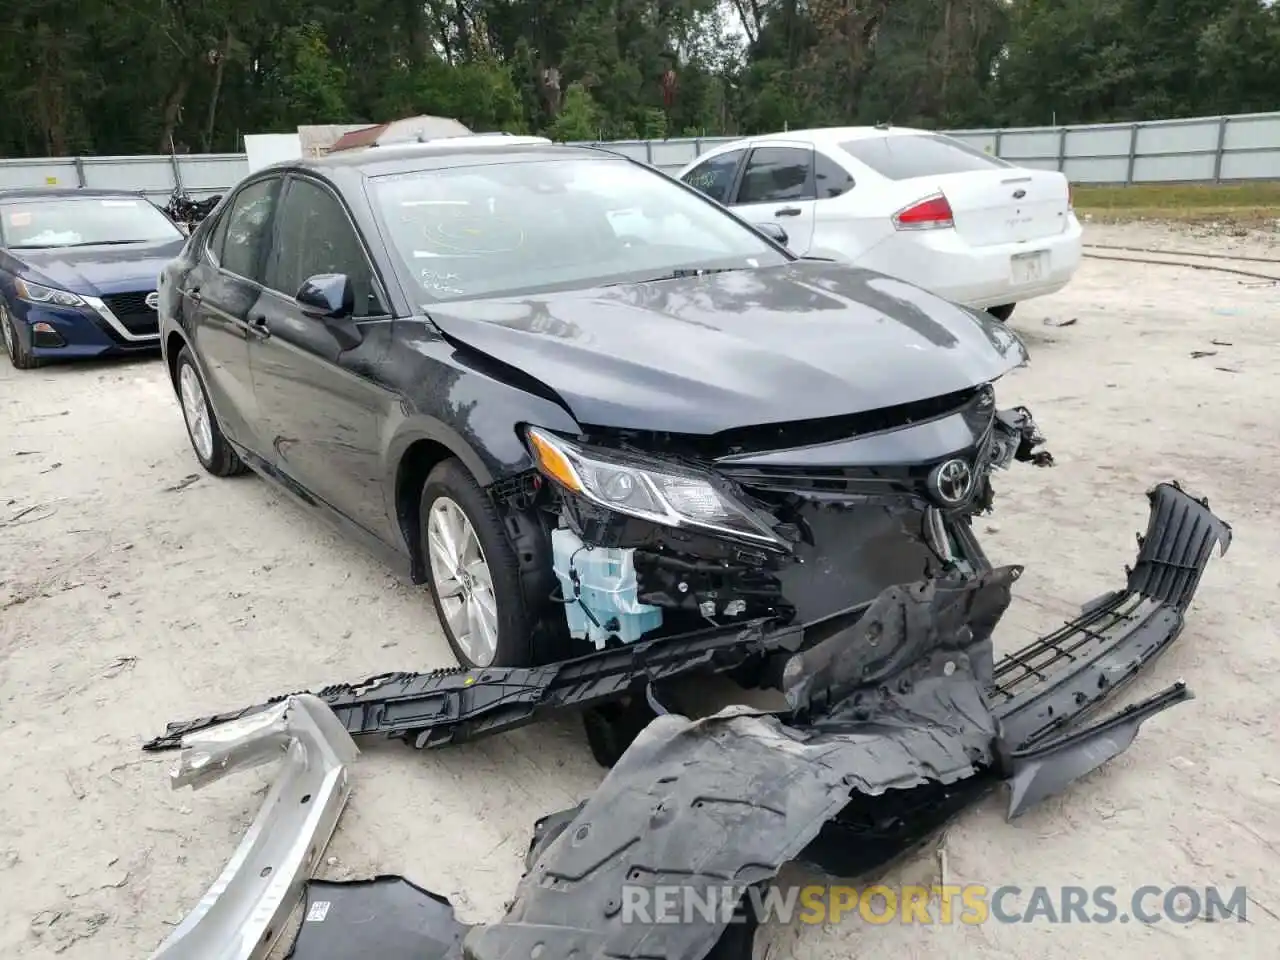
(136, 590)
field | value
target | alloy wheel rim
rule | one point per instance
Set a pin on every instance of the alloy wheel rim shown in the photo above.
(196, 412)
(6, 327)
(463, 581)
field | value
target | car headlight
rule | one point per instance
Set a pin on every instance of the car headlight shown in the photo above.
(673, 495)
(38, 293)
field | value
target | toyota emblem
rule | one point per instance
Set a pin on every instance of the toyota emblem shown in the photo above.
(951, 482)
(153, 300)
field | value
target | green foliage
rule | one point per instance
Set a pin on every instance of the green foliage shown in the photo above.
(653, 124)
(579, 117)
(310, 83)
(96, 76)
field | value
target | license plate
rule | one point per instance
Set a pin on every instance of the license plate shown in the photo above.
(1029, 267)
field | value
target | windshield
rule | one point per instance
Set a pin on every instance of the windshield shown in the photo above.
(83, 221)
(506, 228)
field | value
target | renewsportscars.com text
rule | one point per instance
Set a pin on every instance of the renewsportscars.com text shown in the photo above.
(969, 904)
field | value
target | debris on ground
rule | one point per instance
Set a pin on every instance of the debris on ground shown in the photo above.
(897, 719)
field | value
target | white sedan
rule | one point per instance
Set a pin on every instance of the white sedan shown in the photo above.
(913, 204)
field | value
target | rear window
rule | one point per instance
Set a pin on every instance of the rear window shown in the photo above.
(919, 155)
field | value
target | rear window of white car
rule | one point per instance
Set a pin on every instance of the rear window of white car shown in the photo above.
(919, 155)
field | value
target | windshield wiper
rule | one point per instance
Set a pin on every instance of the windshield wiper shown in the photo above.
(66, 246)
(102, 243)
(680, 273)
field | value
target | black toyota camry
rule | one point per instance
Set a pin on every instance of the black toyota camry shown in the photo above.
(579, 400)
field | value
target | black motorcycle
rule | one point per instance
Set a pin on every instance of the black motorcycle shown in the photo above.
(184, 210)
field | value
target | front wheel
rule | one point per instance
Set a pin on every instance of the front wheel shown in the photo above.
(473, 571)
(1002, 312)
(19, 356)
(211, 447)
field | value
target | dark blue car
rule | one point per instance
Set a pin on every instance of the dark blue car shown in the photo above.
(78, 273)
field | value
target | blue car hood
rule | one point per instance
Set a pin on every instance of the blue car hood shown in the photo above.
(99, 270)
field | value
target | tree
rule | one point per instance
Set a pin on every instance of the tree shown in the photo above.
(579, 118)
(133, 76)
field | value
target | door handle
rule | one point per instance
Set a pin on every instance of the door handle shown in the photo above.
(787, 212)
(259, 325)
(194, 295)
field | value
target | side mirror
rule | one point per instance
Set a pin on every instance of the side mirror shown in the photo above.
(328, 297)
(774, 232)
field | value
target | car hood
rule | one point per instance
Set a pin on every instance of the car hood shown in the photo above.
(100, 270)
(704, 354)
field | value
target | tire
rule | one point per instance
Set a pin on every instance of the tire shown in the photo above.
(611, 728)
(18, 354)
(1002, 312)
(217, 456)
(502, 638)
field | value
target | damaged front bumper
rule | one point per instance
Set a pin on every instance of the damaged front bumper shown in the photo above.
(907, 699)
(653, 536)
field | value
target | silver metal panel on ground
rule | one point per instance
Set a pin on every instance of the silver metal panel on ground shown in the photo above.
(246, 910)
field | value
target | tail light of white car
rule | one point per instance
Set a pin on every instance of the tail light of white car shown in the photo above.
(931, 213)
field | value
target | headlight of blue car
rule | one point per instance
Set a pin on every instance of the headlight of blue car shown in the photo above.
(38, 293)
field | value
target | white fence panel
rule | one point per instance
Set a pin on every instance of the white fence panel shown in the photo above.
(1208, 149)
(38, 173)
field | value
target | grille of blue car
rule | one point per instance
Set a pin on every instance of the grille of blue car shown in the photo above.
(133, 312)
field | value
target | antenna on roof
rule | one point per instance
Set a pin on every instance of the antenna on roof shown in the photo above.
(883, 125)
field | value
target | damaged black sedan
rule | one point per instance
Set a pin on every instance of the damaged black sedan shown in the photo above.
(627, 438)
(584, 404)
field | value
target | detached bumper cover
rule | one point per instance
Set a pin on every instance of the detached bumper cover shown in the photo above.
(907, 699)
(245, 911)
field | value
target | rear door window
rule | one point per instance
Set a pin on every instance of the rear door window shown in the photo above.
(920, 155)
(316, 236)
(714, 177)
(248, 229)
(830, 178)
(777, 174)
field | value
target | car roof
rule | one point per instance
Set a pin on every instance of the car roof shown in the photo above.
(842, 134)
(830, 137)
(64, 193)
(439, 154)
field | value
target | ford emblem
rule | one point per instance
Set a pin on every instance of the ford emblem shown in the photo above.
(1019, 194)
